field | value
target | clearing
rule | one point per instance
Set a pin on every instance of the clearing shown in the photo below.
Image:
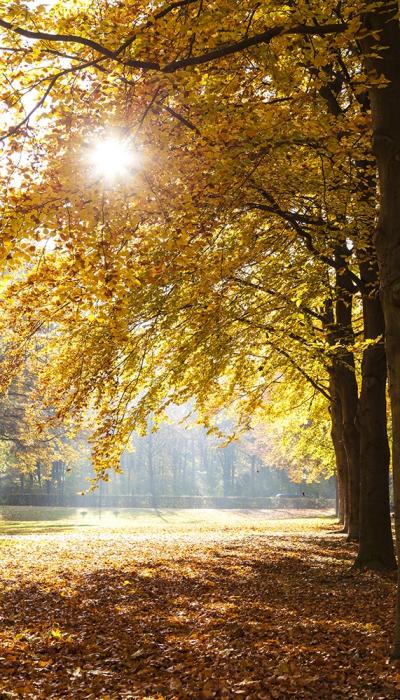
(189, 604)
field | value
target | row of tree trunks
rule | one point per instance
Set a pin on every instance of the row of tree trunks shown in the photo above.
(363, 470)
(382, 32)
(376, 548)
(359, 436)
(359, 424)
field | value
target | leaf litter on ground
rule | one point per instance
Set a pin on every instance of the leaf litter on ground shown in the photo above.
(260, 608)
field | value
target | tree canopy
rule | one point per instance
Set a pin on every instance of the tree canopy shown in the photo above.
(189, 196)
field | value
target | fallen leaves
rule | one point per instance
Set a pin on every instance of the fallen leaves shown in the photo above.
(210, 613)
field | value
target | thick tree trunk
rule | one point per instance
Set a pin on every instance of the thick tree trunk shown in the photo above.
(385, 105)
(346, 386)
(341, 502)
(376, 549)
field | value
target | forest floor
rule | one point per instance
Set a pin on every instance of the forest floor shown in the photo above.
(235, 605)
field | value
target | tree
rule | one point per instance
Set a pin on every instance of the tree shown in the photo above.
(288, 140)
(385, 106)
(184, 246)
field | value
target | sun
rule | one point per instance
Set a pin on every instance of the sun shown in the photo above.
(113, 158)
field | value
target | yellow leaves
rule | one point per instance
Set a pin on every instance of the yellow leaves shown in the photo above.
(170, 244)
(135, 281)
(287, 666)
(354, 25)
(139, 283)
(5, 281)
(320, 60)
(56, 633)
(146, 573)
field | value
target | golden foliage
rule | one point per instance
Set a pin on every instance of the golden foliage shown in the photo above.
(206, 270)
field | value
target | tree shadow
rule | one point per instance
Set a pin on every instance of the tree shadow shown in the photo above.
(188, 626)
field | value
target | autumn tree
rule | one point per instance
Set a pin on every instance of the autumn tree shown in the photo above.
(188, 75)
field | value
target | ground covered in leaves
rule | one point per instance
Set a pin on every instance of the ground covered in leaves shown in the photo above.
(250, 606)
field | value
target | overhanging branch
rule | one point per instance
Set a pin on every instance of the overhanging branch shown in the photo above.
(206, 57)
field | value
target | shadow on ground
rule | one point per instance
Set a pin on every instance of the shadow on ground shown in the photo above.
(244, 617)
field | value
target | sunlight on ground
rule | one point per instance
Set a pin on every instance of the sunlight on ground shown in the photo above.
(31, 520)
(189, 604)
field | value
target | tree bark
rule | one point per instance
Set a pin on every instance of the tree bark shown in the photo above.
(385, 106)
(340, 457)
(348, 392)
(344, 374)
(376, 549)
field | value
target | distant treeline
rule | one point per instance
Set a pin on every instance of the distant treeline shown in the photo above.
(172, 467)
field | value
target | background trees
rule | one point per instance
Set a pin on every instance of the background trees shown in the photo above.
(174, 467)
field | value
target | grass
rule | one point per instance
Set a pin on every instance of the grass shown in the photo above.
(28, 520)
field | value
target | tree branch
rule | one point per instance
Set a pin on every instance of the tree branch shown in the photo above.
(302, 232)
(181, 119)
(215, 54)
(302, 371)
(53, 79)
(272, 292)
(255, 40)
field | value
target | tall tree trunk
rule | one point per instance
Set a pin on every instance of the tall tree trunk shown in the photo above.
(344, 377)
(340, 457)
(385, 105)
(347, 389)
(376, 549)
(337, 505)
